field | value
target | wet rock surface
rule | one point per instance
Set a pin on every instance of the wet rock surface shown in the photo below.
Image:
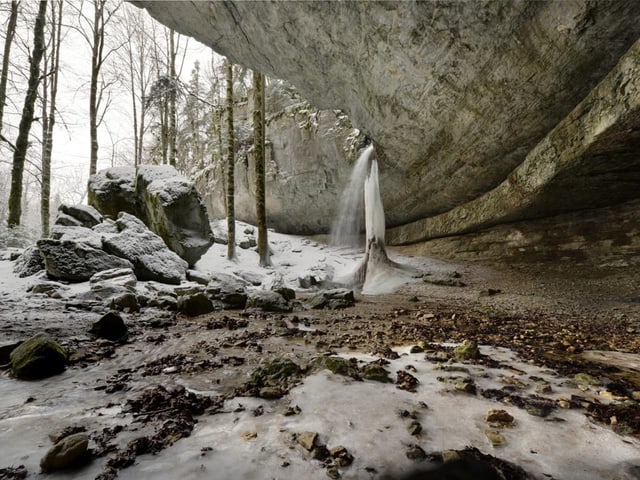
(38, 357)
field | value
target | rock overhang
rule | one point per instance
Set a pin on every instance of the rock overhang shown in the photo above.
(455, 94)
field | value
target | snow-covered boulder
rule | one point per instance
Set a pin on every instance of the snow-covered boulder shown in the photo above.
(76, 261)
(81, 215)
(113, 190)
(114, 282)
(77, 234)
(29, 263)
(167, 202)
(151, 258)
(174, 210)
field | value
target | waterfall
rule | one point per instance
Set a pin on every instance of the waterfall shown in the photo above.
(348, 224)
(373, 209)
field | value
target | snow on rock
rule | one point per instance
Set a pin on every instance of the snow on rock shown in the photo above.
(151, 258)
(167, 202)
(112, 191)
(76, 261)
(85, 214)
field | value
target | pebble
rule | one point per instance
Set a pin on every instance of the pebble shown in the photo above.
(499, 417)
(307, 440)
(496, 438)
(66, 452)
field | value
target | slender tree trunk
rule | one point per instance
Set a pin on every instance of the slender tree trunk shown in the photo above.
(96, 64)
(11, 30)
(22, 142)
(49, 118)
(134, 105)
(231, 215)
(259, 151)
(173, 148)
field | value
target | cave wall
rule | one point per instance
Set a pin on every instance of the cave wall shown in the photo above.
(460, 97)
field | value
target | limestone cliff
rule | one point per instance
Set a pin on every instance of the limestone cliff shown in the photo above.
(456, 94)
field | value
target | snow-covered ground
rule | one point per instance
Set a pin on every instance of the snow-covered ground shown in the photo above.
(363, 416)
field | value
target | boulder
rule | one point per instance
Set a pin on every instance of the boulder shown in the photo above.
(332, 299)
(113, 282)
(66, 452)
(67, 220)
(110, 326)
(167, 202)
(112, 191)
(228, 290)
(268, 300)
(151, 258)
(86, 215)
(38, 357)
(77, 233)
(76, 261)
(50, 289)
(29, 263)
(193, 304)
(174, 210)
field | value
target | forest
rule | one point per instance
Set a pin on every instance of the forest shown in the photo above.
(91, 84)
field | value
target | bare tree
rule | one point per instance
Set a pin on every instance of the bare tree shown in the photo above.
(11, 31)
(259, 152)
(22, 142)
(231, 216)
(49, 93)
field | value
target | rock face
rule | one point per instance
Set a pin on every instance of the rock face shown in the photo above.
(456, 95)
(165, 201)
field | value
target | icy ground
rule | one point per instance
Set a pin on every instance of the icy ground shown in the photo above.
(254, 439)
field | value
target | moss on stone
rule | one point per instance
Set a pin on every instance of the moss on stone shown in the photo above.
(38, 357)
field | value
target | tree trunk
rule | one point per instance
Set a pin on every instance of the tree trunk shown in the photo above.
(22, 142)
(11, 30)
(49, 118)
(173, 153)
(231, 216)
(96, 64)
(259, 151)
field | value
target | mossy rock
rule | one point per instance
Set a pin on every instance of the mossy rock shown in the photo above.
(468, 350)
(38, 357)
(376, 373)
(338, 365)
(276, 372)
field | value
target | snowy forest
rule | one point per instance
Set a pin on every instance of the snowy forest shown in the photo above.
(88, 85)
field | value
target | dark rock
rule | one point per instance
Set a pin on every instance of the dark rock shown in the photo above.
(244, 244)
(195, 304)
(414, 428)
(228, 290)
(332, 299)
(416, 453)
(29, 263)
(38, 357)
(5, 352)
(307, 282)
(375, 372)
(66, 452)
(288, 293)
(268, 300)
(127, 302)
(151, 258)
(490, 292)
(111, 326)
(277, 372)
(339, 366)
(13, 473)
(67, 220)
(499, 417)
(75, 261)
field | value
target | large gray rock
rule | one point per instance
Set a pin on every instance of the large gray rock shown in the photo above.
(76, 261)
(112, 191)
(29, 263)
(174, 210)
(455, 94)
(151, 258)
(167, 202)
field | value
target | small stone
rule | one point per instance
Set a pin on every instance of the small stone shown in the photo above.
(490, 292)
(249, 435)
(270, 393)
(466, 386)
(376, 373)
(496, 438)
(307, 440)
(333, 472)
(416, 349)
(415, 428)
(635, 395)
(468, 350)
(543, 387)
(499, 417)
(586, 379)
(342, 457)
(415, 452)
(111, 327)
(66, 452)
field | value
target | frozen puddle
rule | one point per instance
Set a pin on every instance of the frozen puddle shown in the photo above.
(254, 439)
